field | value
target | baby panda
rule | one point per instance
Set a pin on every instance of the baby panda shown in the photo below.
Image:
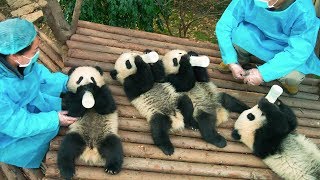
(268, 130)
(210, 106)
(94, 136)
(163, 108)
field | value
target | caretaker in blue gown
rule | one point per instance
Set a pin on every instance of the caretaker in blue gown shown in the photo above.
(30, 106)
(281, 33)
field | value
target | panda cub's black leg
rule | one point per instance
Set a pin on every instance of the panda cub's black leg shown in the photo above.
(208, 131)
(186, 107)
(71, 148)
(232, 104)
(111, 149)
(160, 125)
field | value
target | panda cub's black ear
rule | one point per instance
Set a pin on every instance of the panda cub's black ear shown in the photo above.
(99, 69)
(147, 51)
(71, 70)
(192, 53)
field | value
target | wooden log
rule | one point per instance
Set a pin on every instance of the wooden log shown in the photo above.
(48, 41)
(91, 55)
(74, 62)
(147, 42)
(55, 57)
(127, 45)
(84, 172)
(186, 168)
(12, 172)
(33, 174)
(47, 62)
(143, 34)
(177, 141)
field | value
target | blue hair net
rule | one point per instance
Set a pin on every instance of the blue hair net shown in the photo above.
(15, 35)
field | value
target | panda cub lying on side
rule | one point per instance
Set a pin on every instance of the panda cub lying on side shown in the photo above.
(268, 130)
(159, 103)
(94, 136)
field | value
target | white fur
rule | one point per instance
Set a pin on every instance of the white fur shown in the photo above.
(300, 159)
(86, 72)
(168, 63)
(121, 68)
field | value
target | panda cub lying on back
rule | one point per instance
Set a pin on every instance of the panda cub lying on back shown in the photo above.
(210, 106)
(268, 129)
(163, 108)
(94, 136)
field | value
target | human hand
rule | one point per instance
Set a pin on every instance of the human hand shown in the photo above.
(237, 71)
(253, 77)
(65, 120)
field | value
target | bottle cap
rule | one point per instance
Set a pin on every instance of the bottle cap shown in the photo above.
(201, 61)
(88, 100)
(274, 93)
(150, 57)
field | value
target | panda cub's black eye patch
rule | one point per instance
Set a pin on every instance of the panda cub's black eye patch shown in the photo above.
(251, 117)
(93, 80)
(175, 61)
(79, 80)
(128, 64)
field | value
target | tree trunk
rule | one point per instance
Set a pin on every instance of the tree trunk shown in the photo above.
(317, 6)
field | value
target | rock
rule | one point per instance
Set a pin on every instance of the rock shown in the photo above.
(25, 9)
(15, 4)
(2, 17)
(41, 3)
(33, 16)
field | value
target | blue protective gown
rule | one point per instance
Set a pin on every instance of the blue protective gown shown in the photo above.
(285, 40)
(28, 113)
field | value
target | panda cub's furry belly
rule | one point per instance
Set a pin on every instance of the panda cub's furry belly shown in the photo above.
(299, 159)
(162, 98)
(93, 128)
(205, 97)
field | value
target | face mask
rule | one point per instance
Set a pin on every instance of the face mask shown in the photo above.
(264, 3)
(32, 59)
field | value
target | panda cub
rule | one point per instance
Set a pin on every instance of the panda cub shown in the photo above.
(163, 108)
(268, 130)
(210, 106)
(94, 136)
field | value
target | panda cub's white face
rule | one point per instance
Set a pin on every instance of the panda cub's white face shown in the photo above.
(171, 61)
(125, 66)
(84, 75)
(248, 122)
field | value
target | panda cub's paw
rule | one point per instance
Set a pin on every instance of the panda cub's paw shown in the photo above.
(265, 106)
(167, 149)
(113, 167)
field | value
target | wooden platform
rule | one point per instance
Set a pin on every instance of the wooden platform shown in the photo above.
(95, 44)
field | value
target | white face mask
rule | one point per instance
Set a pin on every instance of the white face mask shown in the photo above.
(31, 60)
(264, 3)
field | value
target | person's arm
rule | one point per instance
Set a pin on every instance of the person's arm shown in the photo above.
(19, 123)
(51, 83)
(301, 45)
(230, 19)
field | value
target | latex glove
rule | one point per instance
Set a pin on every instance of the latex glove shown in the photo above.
(237, 71)
(253, 77)
(65, 120)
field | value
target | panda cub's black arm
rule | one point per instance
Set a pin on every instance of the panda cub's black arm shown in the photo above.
(140, 82)
(184, 80)
(72, 102)
(104, 102)
(158, 71)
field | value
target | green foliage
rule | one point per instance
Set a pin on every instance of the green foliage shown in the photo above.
(141, 14)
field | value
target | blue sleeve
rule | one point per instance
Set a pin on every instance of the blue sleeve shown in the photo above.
(232, 16)
(51, 83)
(301, 45)
(19, 123)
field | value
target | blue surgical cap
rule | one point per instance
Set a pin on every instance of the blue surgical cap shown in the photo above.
(15, 35)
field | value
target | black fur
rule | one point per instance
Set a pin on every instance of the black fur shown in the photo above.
(160, 125)
(71, 70)
(208, 131)
(184, 80)
(192, 53)
(72, 102)
(158, 71)
(232, 104)
(201, 74)
(140, 82)
(113, 74)
(235, 135)
(71, 148)
(186, 107)
(99, 69)
(111, 149)
(104, 102)
(147, 51)
(280, 122)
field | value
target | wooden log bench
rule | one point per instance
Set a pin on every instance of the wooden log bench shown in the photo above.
(96, 44)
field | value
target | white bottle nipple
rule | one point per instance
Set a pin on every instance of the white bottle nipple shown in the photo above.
(88, 100)
(201, 61)
(274, 93)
